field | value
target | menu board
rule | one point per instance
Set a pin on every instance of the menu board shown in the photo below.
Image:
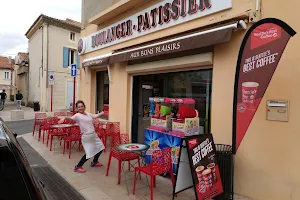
(203, 168)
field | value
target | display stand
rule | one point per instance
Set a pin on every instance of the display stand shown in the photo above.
(166, 130)
(160, 140)
(197, 167)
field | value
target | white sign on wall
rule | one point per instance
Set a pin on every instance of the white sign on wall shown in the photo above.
(160, 16)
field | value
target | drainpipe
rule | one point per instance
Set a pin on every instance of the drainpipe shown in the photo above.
(11, 77)
(47, 69)
(27, 89)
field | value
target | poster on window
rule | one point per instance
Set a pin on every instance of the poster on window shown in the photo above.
(203, 167)
(260, 53)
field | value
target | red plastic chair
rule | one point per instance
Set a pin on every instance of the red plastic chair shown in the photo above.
(161, 163)
(45, 128)
(100, 131)
(74, 136)
(59, 114)
(38, 121)
(116, 140)
(56, 132)
(110, 128)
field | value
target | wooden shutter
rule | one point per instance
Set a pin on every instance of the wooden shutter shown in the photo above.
(78, 61)
(65, 57)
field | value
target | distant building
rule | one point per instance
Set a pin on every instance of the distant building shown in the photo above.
(7, 76)
(22, 75)
(52, 49)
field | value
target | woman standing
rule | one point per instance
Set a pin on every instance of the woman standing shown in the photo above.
(91, 143)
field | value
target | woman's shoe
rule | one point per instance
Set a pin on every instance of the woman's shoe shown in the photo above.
(79, 169)
(97, 164)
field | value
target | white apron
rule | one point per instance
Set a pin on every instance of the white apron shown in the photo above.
(91, 144)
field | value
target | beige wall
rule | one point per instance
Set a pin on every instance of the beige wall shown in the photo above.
(38, 91)
(4, 81)
(58, 39)
(35, 57)
(240, 7)
(266, 165)
(267, 162)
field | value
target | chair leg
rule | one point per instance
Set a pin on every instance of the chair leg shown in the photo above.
(108, 164)
(39, 136)
(139, 163)
(151, 187)
(129, 166)
(51, 140)
(134, 182)
(70, 148)
(119, 171)
(43, 136)
(104, 142)
(154, 181)
(34, 126)
(64, 146)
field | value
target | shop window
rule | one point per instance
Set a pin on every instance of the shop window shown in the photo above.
(190, 84)
(102, 98)
(196, 85)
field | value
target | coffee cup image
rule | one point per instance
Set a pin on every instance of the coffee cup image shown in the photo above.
(199, 171)
(249, 90)
(212, 166)
(207, 177)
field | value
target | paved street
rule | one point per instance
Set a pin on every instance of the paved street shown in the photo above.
(21, 127)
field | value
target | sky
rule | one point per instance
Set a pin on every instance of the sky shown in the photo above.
(17, 16)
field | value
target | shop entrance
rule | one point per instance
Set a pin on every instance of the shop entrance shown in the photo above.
(189, 84)
(102, 92)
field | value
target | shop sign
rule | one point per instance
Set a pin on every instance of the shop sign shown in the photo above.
(168, 47)
(259, 56)
(160, 16)
(203, 173)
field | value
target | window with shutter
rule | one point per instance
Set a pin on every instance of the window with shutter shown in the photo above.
(66, 57)
(78, 61)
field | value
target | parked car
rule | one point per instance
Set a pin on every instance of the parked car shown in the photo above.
(16, 178)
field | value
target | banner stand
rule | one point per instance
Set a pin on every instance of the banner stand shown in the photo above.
(259, 55)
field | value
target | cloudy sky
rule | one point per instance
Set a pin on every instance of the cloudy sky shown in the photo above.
(17, 16)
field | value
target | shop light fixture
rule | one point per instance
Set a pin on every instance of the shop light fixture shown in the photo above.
(97, 57)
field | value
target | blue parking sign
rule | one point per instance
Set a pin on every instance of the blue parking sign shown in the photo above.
(73, 70)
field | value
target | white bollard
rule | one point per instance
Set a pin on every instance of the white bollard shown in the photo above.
(17, 114)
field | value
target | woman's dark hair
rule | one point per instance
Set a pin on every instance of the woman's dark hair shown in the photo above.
(78, 102)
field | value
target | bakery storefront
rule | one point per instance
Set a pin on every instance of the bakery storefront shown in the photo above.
(179, 50)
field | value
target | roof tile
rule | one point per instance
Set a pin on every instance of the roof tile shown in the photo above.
(4, 63)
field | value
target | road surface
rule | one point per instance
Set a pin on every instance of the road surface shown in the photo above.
(21, 127)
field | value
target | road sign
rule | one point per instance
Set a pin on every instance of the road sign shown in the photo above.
(51, 78)
(73, 70)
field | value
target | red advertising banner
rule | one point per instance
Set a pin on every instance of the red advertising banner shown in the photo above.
(259, 55)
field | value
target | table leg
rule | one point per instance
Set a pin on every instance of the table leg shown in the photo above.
(124, 174)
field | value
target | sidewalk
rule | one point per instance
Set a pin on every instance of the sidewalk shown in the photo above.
(28, 112)
(94, 185)
(9, 106)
